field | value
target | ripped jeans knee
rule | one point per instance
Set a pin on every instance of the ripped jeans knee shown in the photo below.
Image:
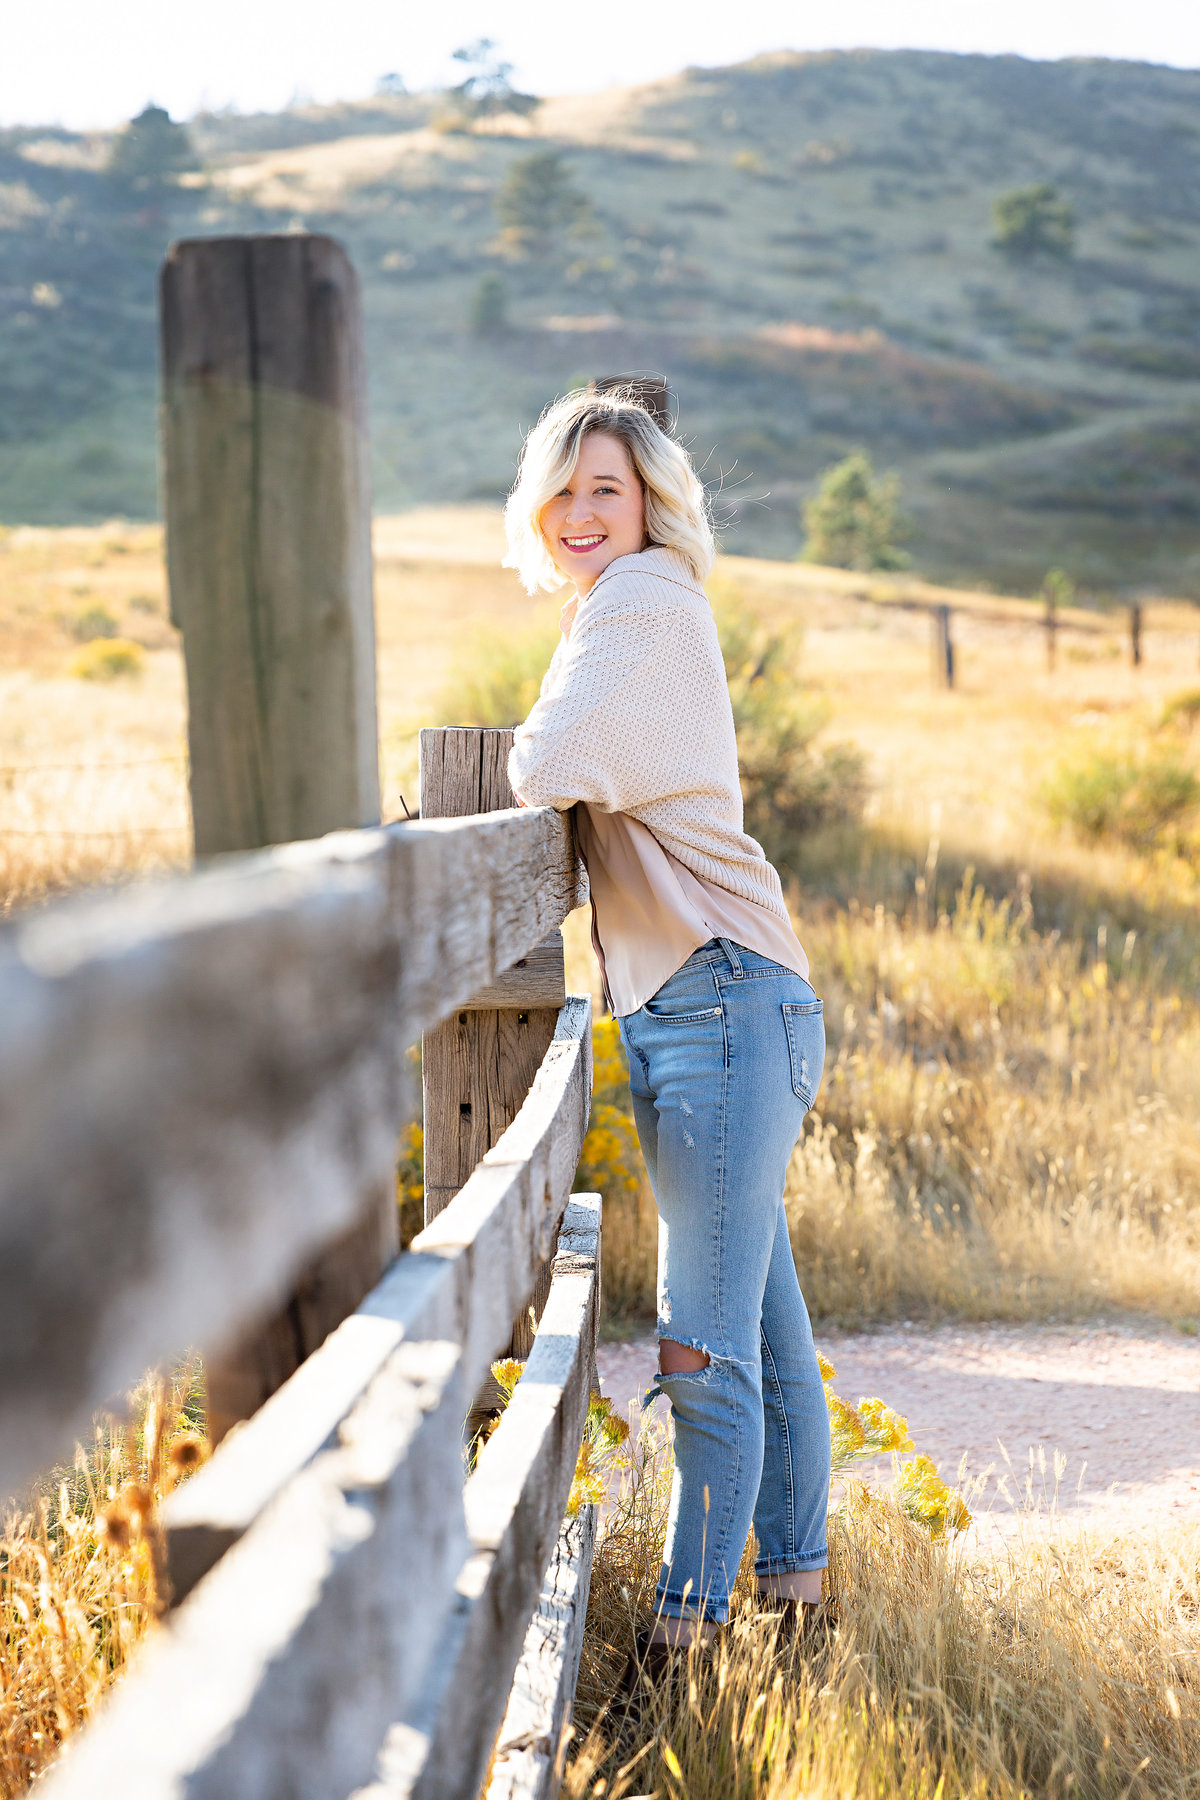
(682, 1362)
(678, 1358)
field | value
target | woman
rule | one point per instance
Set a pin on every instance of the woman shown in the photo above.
(723, 1033)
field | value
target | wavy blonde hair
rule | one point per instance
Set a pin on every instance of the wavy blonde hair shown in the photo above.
(677, 516)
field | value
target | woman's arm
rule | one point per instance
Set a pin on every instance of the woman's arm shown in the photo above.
(581, 741)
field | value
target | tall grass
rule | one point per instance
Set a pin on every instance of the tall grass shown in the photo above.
(1006, 1126)
(1067, 1668)
(74, 821)
(81, 1571)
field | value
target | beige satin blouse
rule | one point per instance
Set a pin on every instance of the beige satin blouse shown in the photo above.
(649, 912)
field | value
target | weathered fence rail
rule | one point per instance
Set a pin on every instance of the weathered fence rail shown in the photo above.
(201, 1085)
(200, 1081)
(337, 1581)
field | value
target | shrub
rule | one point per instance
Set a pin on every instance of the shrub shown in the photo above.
(1182, 710)
(1141, 801)
(94, 622)
(788, 788)
(499, 681)
(538, 197)
(1145, 356)
(853, 521)
(489, 307)
(1033, 221)
(1057, 588)
(105, 658)
(151, 149)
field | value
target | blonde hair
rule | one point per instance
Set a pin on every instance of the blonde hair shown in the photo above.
(676, 509)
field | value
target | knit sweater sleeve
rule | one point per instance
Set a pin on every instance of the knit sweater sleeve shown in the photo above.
(577, 742)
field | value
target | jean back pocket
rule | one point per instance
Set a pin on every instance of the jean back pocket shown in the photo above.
(805, 1024)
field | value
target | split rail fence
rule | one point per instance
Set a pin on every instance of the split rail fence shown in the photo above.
(202, 1081)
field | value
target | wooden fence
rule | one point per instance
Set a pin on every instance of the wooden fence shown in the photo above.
(201, 1085)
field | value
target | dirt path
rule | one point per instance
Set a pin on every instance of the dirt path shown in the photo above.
(1117, 1407)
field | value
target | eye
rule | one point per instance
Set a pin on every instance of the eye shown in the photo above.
(606, 490)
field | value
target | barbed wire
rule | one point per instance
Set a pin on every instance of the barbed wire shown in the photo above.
(145, 762)
(130, 831)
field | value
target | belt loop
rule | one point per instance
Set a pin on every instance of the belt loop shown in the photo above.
(730, 950)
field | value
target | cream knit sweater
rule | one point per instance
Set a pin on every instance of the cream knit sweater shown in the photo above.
(634, 717)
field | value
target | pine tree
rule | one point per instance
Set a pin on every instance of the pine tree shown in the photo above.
(1033, 221)
(538, 197)
(151, 149)
(853, 521)
(489, 307)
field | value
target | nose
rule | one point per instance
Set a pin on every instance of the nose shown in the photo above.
(579, 511)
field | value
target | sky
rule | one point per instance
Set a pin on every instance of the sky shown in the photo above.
(88, 63)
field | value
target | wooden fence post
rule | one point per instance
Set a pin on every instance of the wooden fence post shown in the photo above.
(1051, 631)
(268, 509)
(476, 1067)
(1135, 635)
(943, 648)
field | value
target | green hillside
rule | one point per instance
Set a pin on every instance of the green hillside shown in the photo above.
(802, 243)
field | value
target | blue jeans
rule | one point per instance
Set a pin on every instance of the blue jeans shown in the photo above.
(724, 1062)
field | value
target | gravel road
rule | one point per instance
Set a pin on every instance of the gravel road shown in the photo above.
(1115, 1407)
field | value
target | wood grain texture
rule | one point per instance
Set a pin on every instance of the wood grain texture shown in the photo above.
(476, 1067)
(536, 980)
(475, 1070)
(348, 1587)
(277, 1678)
(461, 1281)
(439, 1748)
(243, 1375)
(268, 506)
(201, 1081)
(268, 510)
(531, 1749)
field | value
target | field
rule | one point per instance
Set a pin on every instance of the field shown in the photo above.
(802, 243)
(1006, 1129)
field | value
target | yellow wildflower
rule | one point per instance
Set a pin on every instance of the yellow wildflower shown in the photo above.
(506, 1375)
(885, 1429)
(926, 1499)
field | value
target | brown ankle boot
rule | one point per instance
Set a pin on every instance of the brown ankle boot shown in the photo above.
(809, 1623)
(646, 1664)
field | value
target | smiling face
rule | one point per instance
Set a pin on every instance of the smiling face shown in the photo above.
(600, 513)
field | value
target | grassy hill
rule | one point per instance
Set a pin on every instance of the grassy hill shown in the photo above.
(802, 243)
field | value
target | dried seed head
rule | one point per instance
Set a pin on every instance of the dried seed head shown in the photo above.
(138, 1500)
(187, 1452)
(115, 1526)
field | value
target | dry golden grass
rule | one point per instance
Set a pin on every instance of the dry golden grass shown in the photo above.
(93, 774)
(1069, 1667)
(1006, 1129)
(80, 1572)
